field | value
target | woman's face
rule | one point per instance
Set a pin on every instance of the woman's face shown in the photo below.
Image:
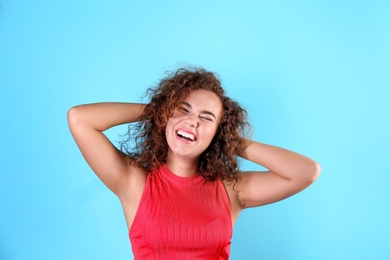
(193, 124)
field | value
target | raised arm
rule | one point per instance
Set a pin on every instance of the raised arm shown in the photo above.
(288, 174)
(87, 123)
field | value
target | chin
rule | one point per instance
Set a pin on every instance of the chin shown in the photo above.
(185, 154)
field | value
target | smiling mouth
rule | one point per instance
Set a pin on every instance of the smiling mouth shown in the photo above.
(187, 136)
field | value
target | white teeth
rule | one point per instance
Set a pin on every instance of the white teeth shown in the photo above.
(186, 135)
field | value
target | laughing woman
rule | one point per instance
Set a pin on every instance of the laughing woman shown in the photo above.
(180, 185)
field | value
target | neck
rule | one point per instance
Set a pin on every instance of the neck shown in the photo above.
(182, 167)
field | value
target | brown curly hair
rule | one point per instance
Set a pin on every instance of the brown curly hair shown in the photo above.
(219, 160)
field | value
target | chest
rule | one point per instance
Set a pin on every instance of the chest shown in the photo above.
(172, 217)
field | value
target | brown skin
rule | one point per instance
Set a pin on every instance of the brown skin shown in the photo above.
(87, 123)
(219, 160)
(288, 172)
(199, 115)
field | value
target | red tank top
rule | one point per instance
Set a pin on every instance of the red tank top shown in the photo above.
(181, 218)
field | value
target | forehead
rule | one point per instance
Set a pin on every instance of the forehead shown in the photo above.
(205, 100)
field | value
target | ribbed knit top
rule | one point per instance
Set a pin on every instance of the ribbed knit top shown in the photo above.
(181, 218)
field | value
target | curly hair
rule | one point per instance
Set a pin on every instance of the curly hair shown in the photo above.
(219, 160)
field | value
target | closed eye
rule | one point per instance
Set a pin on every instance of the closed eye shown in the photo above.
(206, 118)
(183, 109)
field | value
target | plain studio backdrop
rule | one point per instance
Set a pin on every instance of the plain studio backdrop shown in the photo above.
(313, 75)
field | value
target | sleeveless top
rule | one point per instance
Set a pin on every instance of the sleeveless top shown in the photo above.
(181, 218)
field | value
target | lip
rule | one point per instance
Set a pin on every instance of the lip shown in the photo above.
(188, 132)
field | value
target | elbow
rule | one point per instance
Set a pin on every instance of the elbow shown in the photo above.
(312, 172)
(73, 117)
(307, 173)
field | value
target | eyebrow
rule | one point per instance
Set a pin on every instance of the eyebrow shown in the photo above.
(202, 112)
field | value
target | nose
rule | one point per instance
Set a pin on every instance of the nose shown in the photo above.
(193, 120)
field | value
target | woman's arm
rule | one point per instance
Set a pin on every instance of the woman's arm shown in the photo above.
(87, 123)
(289, 173)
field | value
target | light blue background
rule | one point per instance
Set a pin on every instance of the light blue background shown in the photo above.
(313, 75)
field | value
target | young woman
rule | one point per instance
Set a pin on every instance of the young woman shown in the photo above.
(179, 185)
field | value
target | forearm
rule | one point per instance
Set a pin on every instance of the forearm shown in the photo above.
(285, 163)
(101, 116)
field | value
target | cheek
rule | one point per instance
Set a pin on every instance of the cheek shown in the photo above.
(211, 132)
(168, 127)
